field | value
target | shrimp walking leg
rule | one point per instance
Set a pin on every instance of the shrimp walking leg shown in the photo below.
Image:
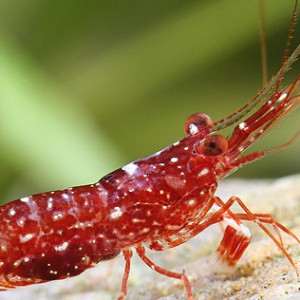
(5, 286)
(141, 252)
(210, 219)
(239, 240)
(268, 218)
(127, 256)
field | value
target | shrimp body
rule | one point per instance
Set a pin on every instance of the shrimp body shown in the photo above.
(52, 235)
(158, 202)
(60, 234)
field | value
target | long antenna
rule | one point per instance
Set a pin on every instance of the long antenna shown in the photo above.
(289, 40)
(263, 46)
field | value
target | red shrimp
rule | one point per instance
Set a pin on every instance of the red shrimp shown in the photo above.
(158, 202)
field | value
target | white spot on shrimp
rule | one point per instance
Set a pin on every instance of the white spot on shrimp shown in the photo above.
(11, 212)
(75, 267)
(26, 259)
(61, 247)
(130, 169)
(282, 97)
(241, 148)
(57, 216)
(191, 202)
(65, 196)
(136, 220)
(145, 230)
(116, 213)
(202, 193)
(149, 190)
(172, 227)
(17, 263)
(176, 144)
(21, 222)
(174, 182)
(50, 203)
(25, 238)
(174, 159)
(161, 192)
(186, 148)
(25, 199)
(242, 125)
(203, 172)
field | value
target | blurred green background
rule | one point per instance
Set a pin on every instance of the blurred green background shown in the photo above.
(88, 86)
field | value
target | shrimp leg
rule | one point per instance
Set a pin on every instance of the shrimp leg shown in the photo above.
(141, 252)
(127, 256)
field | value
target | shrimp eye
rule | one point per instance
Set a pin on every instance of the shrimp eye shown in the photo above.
(197, 122)
(213, 145)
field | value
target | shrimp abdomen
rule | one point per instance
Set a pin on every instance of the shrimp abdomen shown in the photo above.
(53, 236)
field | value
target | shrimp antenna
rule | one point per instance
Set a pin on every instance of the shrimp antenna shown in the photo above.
(287, 144)
(263, 46)
(288, 42)
(273, 83)
(252, 103)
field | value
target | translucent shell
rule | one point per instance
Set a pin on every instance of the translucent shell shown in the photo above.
(197, 122)
(213, 145)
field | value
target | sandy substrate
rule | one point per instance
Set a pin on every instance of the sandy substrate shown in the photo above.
(262, 272)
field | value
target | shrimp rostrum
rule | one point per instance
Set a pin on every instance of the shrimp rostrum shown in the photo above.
(158, 202)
